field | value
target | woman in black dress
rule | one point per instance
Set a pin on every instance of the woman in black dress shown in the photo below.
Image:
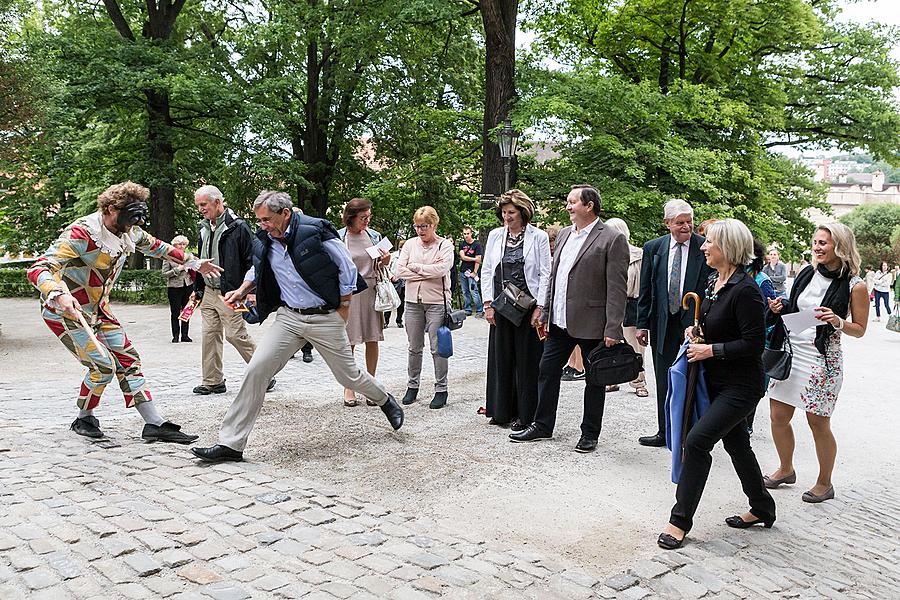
(518, 253)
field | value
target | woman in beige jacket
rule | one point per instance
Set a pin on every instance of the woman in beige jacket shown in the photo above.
(632, 291)
(425, 263)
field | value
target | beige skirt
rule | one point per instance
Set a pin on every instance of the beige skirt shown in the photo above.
(365, 324)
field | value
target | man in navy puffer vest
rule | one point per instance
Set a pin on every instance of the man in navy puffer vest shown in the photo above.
(303, 273)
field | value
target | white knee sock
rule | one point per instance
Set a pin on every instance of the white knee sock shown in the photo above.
(148, 411)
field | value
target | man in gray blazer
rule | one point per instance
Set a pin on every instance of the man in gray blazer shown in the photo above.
(585, 306)
(672, 266)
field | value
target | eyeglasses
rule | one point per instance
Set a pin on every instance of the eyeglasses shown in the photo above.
(422, 225)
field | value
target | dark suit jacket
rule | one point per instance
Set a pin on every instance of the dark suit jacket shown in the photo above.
(653, 302)
(595, 293)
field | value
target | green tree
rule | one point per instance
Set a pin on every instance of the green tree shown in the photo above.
(876, 229)
(662, 99)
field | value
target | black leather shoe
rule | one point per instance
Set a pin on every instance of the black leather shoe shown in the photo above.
(654, 441)
(585, 445)
(529, 434)
(439, 400)
(87, 426)
(393, 412)
(738, 523)
(186, 339)
(167, 432)
(410, 396)
(518, 425)
(669, 542)
(206, 390)
(494, 421)
(307, 356)
(217, 454)
(174, 340)
(271, 385)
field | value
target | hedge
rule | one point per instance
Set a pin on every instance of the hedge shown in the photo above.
(135, 286)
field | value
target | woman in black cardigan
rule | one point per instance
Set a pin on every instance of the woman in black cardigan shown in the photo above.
(732, 323)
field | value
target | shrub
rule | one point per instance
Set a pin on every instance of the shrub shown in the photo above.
(135, 286)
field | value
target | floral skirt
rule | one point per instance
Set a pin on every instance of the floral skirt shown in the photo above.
(815, 380)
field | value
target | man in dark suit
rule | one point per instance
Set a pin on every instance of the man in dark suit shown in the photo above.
(673, 265)
(584, 307)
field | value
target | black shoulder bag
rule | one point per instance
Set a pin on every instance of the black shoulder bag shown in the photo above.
(777, 361)
(513, 303)
(614, 365)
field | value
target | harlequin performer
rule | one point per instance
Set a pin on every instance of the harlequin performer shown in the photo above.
(76, 274)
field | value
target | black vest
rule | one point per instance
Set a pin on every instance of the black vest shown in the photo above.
(305, 243)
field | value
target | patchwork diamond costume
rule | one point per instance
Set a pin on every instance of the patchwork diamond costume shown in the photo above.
(85, 261)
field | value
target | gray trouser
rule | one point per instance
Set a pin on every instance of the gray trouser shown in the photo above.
(420, 318)
(291, 330)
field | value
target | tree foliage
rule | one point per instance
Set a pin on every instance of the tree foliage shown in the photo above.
(877, 231)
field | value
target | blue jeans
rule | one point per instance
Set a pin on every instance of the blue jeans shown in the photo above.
(471, 294)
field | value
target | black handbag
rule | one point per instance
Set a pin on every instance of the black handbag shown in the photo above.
(614, 365)
(513, 303)
(777, 362)
(453, 319)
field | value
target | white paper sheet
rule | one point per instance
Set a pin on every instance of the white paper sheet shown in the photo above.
(800, 321)
(385, 244)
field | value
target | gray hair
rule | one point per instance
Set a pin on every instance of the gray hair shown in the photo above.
(734, 239)
(179, 239)
(211, 192)
(620, 226)
(675, 207)
(274, 201)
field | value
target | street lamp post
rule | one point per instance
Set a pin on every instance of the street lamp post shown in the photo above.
(507, 138)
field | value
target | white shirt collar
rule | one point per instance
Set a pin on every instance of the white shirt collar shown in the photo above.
(587, 228)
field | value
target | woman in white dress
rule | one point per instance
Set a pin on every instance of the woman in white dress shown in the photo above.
(832, 286)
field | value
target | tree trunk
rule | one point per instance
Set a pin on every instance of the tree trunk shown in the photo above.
(162, 192)
(499, 19)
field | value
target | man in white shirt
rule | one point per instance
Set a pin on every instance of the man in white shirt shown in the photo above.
(585, 306)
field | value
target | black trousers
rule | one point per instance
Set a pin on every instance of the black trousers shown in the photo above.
(557, 348)
(664, 353)
(178, 299)
(401, 291)
(725, 420)
(514, 357)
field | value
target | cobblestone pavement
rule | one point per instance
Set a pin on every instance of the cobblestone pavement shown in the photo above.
(124, 519)
(85, 520)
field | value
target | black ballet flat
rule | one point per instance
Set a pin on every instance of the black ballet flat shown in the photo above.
(667, 541)
(738, 523)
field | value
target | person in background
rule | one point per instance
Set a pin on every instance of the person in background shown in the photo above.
(833, 286)
(226, 240)
(365, 325)
(454, 271)
(179, 286)
(733, 328)
(399, 285)
(632, 290)
(672, 266)
(870, 282)
(896, 285)
(776, 271)
(425, 263)
(519, 253)
(767, 289)
(701, 228)
(471, 255)
(881, 286)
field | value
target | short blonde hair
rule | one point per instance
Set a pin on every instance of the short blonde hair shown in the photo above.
(734, 239)
(620, 226)
(844, 246)
(121, 195)
(179, 239)
(428, 215)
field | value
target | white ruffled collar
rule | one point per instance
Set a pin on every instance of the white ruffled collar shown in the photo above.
(109, 242)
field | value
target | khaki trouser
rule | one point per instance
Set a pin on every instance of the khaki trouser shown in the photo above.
(218, 319)
(291, 330)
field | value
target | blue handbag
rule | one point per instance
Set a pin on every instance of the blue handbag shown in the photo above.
(444, 342)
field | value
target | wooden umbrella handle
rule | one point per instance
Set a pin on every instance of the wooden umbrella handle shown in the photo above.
(696, 298)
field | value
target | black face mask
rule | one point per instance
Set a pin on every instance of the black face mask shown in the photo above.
(135, 213)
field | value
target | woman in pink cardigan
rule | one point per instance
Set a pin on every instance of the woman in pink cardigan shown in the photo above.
(424, 264)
